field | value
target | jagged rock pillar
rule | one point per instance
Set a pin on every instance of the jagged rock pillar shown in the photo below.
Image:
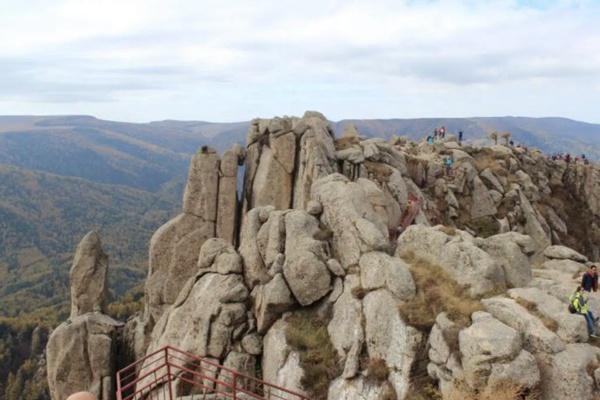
(227, 207)
(81, 352)
(174, 247)
(88, 276)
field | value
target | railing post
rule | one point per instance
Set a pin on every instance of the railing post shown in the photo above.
(119, 396)
(168, 373)
(234, 386)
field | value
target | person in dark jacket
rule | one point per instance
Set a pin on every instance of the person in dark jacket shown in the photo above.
(589, 281)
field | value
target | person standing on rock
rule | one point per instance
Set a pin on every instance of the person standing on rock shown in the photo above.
(579, 304)
(589, 281)
(448, 162)
(460, 137)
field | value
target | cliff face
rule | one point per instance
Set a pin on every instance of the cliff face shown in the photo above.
(312, 278)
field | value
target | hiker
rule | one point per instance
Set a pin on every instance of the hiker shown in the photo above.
(589, 280)
(436, 133)
(460, 137)
(585, 160)
(568, 158)
(512, 143)
(578, 304)
(448, 161)
(443, 132)
(429, 139)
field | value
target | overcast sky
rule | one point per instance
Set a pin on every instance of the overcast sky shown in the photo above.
(234, 60)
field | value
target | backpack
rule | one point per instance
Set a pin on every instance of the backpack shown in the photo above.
(572, 309)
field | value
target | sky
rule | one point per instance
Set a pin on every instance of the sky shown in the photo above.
(235, 60)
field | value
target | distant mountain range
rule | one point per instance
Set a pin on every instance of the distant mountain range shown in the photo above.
(61, 176)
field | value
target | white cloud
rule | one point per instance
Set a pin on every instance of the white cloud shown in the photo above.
(233, 60)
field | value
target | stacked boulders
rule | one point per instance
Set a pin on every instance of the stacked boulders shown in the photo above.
(81, 352)
(210, 209)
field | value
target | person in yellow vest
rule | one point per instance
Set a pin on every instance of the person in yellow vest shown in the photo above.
(578, 304)
(82, 396)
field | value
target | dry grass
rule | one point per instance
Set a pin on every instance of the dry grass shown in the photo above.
(533, 309)
(427, 392)
(359, 292)
(380, 171)
(448, 230)
(346, 142)
(591, 368)
(324, 233)
(485, 226)
(491, 162)
(307, 334)
(377, 370)
(436, 292)
(502, 391)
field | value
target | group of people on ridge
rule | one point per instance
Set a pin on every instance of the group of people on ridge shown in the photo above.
(566, 157)
(440, 133)
(579, 304)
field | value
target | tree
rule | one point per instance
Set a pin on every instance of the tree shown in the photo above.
(14, 387)
(506, 136)
(494, 136)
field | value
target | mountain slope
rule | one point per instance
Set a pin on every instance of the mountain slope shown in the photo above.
(142, 156)
(43, 216)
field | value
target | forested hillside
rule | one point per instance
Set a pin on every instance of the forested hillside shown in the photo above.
(42, 216)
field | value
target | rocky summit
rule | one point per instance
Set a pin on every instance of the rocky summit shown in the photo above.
(354, 268)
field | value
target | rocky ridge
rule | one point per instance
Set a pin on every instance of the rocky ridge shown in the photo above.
(314, 231)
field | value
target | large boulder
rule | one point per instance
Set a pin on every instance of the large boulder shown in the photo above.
(359, 388)
(210, 314)
(81, 356)
(305, 268)
(510, 256)
(533, 226)
(207, 318)
(347, 212)
(457, 254)
(571, 374)
(537, 337)
(346, 329)
(280, 364)
(315, 156)
(174, 251)
(264, 191)
(390, 339)
(88, 276)
(255, 270)
(380, 270)
(483, 203)
(270, 301)
(571, 327)
(591, 188)
(488, 347)
(564, 253)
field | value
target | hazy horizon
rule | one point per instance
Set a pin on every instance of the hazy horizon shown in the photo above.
(280, 115)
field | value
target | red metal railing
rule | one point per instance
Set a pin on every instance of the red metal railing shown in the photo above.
(170, 373)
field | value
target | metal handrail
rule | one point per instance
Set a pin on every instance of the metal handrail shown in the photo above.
(157, 375)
